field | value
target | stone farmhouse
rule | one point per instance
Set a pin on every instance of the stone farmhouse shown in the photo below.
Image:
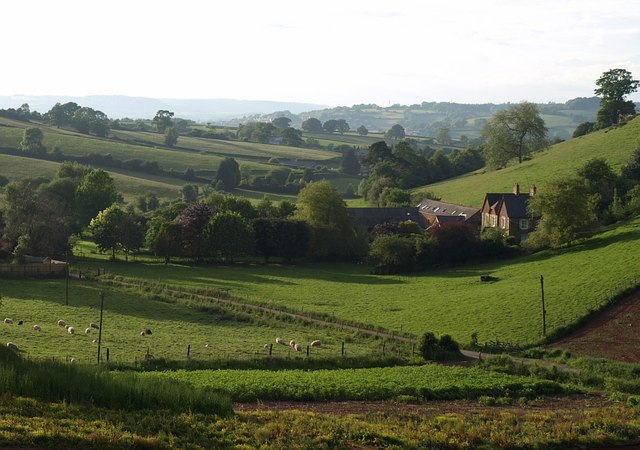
(509, 212)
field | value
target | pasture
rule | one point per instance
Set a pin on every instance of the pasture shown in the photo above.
(578, 280)
(207, 330)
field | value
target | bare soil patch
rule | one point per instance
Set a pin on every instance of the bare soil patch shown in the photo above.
(613, 334)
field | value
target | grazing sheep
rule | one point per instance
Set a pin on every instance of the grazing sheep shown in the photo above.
(87, 330)
(265, 346)
(315, 343)
(8, 321)
(12, 346)
(94, 341)
(147, 331)
(280, 341)
(36, 328)
(94, 325)
(298, 347)
(292, 343)
(20, 322)
(71, 330)
(61, 323)
(72, 360)
(66, 327)
(206, 345)
(142, 333)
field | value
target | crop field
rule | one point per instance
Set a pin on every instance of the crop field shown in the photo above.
(577, 280)
(560, 160)
(211, 331)
(428, 381)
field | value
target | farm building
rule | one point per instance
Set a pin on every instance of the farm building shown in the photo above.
(435, 213)
(370, 217)
(509, 212)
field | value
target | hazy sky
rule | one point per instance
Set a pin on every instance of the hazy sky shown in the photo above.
(329, 52)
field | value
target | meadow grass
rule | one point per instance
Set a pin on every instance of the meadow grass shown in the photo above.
(578, 280)
(561, 160)
(209, 332)
(427, 382)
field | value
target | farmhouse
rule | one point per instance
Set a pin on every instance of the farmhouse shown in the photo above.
(435, 213)
(508, 211)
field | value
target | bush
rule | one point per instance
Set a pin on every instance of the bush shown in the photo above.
(434, 349)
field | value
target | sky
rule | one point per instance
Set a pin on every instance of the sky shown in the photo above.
(330, 52)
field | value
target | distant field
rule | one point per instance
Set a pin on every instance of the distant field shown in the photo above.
(454, 301)
(560, 160)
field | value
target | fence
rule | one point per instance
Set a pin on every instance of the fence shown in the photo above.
(28, 270)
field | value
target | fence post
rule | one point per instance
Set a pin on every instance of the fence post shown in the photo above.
(342, 348)
(189, 351)
(270, 350)
(307, 351)
(107, 354)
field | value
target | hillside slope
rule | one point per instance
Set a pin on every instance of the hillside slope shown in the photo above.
(560, 160)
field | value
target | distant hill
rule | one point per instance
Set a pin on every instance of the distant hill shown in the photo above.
(200, 110)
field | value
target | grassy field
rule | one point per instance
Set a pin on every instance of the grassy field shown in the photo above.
(211, 331)
(578, 279)
(561, 160)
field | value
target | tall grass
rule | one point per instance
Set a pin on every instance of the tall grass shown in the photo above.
(52, 381)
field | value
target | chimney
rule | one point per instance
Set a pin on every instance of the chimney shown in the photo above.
(516, 188)
(532, 190)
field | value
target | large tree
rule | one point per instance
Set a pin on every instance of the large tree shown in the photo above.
(163, 120)
(613, 86)
(514, 133)
(32, 141)
(96, 192)
(349, 163)
(115, 229)
(312, 125)
(229, 235)
(333, 235)
(395, 133)
(229, 173)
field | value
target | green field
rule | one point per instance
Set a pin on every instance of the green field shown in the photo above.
(578, 279)
(561, 160)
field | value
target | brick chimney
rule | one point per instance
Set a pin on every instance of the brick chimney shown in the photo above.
(532, 190)
(516, 188)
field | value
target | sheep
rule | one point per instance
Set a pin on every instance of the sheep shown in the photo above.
(87, 330)
(94, 325)
(72, 360)
(280, 341)
(147, 331)
(94, 341)
(265, 346)
(20, 322)
(298, 347)
(37, 328)
(61, 323)
(292, 343)
(206, 345)
(315, 343)
(71, 330)
(12, 346)
(8, 321)
(142, 333)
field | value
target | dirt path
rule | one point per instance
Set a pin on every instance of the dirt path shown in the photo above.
(614, 333)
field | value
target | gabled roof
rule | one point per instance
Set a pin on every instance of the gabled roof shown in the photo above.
(442, 209)
(515, 204)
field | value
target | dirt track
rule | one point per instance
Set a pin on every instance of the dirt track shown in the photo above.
(614, 334)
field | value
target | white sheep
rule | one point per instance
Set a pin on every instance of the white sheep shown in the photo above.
(12, 346)
(280, 341)
(72, 360)
(87, 330)
(94, 341)
(94, 325)
(37, 328)
(265, 346)
(142, 333)
(292, 343)
(61, 323)
(71, 330)
(8, 321)
(298, 347)
(315, 343)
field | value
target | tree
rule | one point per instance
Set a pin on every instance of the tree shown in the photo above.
(362, 130)
(514, 133)
(189, 193)
(565, 210)
(613, 86)
(321, 206)
(229, 173)
(32, 141)
(584, 128)
(395, 133)
(281, 123)
(330, 126)
(443, 137)
(392, 197)
(96, 192)
(163, 120)
(87, 120)
(192, 220)
(392, 253)
(60, 115)
(230, 235)
(292, 238)
(163, 238)
(292, 137)
(106, 229)
(378, 151)
(342, 126)
(312, 125)
(170, 137)
(349, 163)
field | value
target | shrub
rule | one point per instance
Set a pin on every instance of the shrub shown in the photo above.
(434, 349)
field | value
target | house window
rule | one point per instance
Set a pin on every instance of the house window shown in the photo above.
(503, 222)
(524, 224)
(494, 220)
(486, 219)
